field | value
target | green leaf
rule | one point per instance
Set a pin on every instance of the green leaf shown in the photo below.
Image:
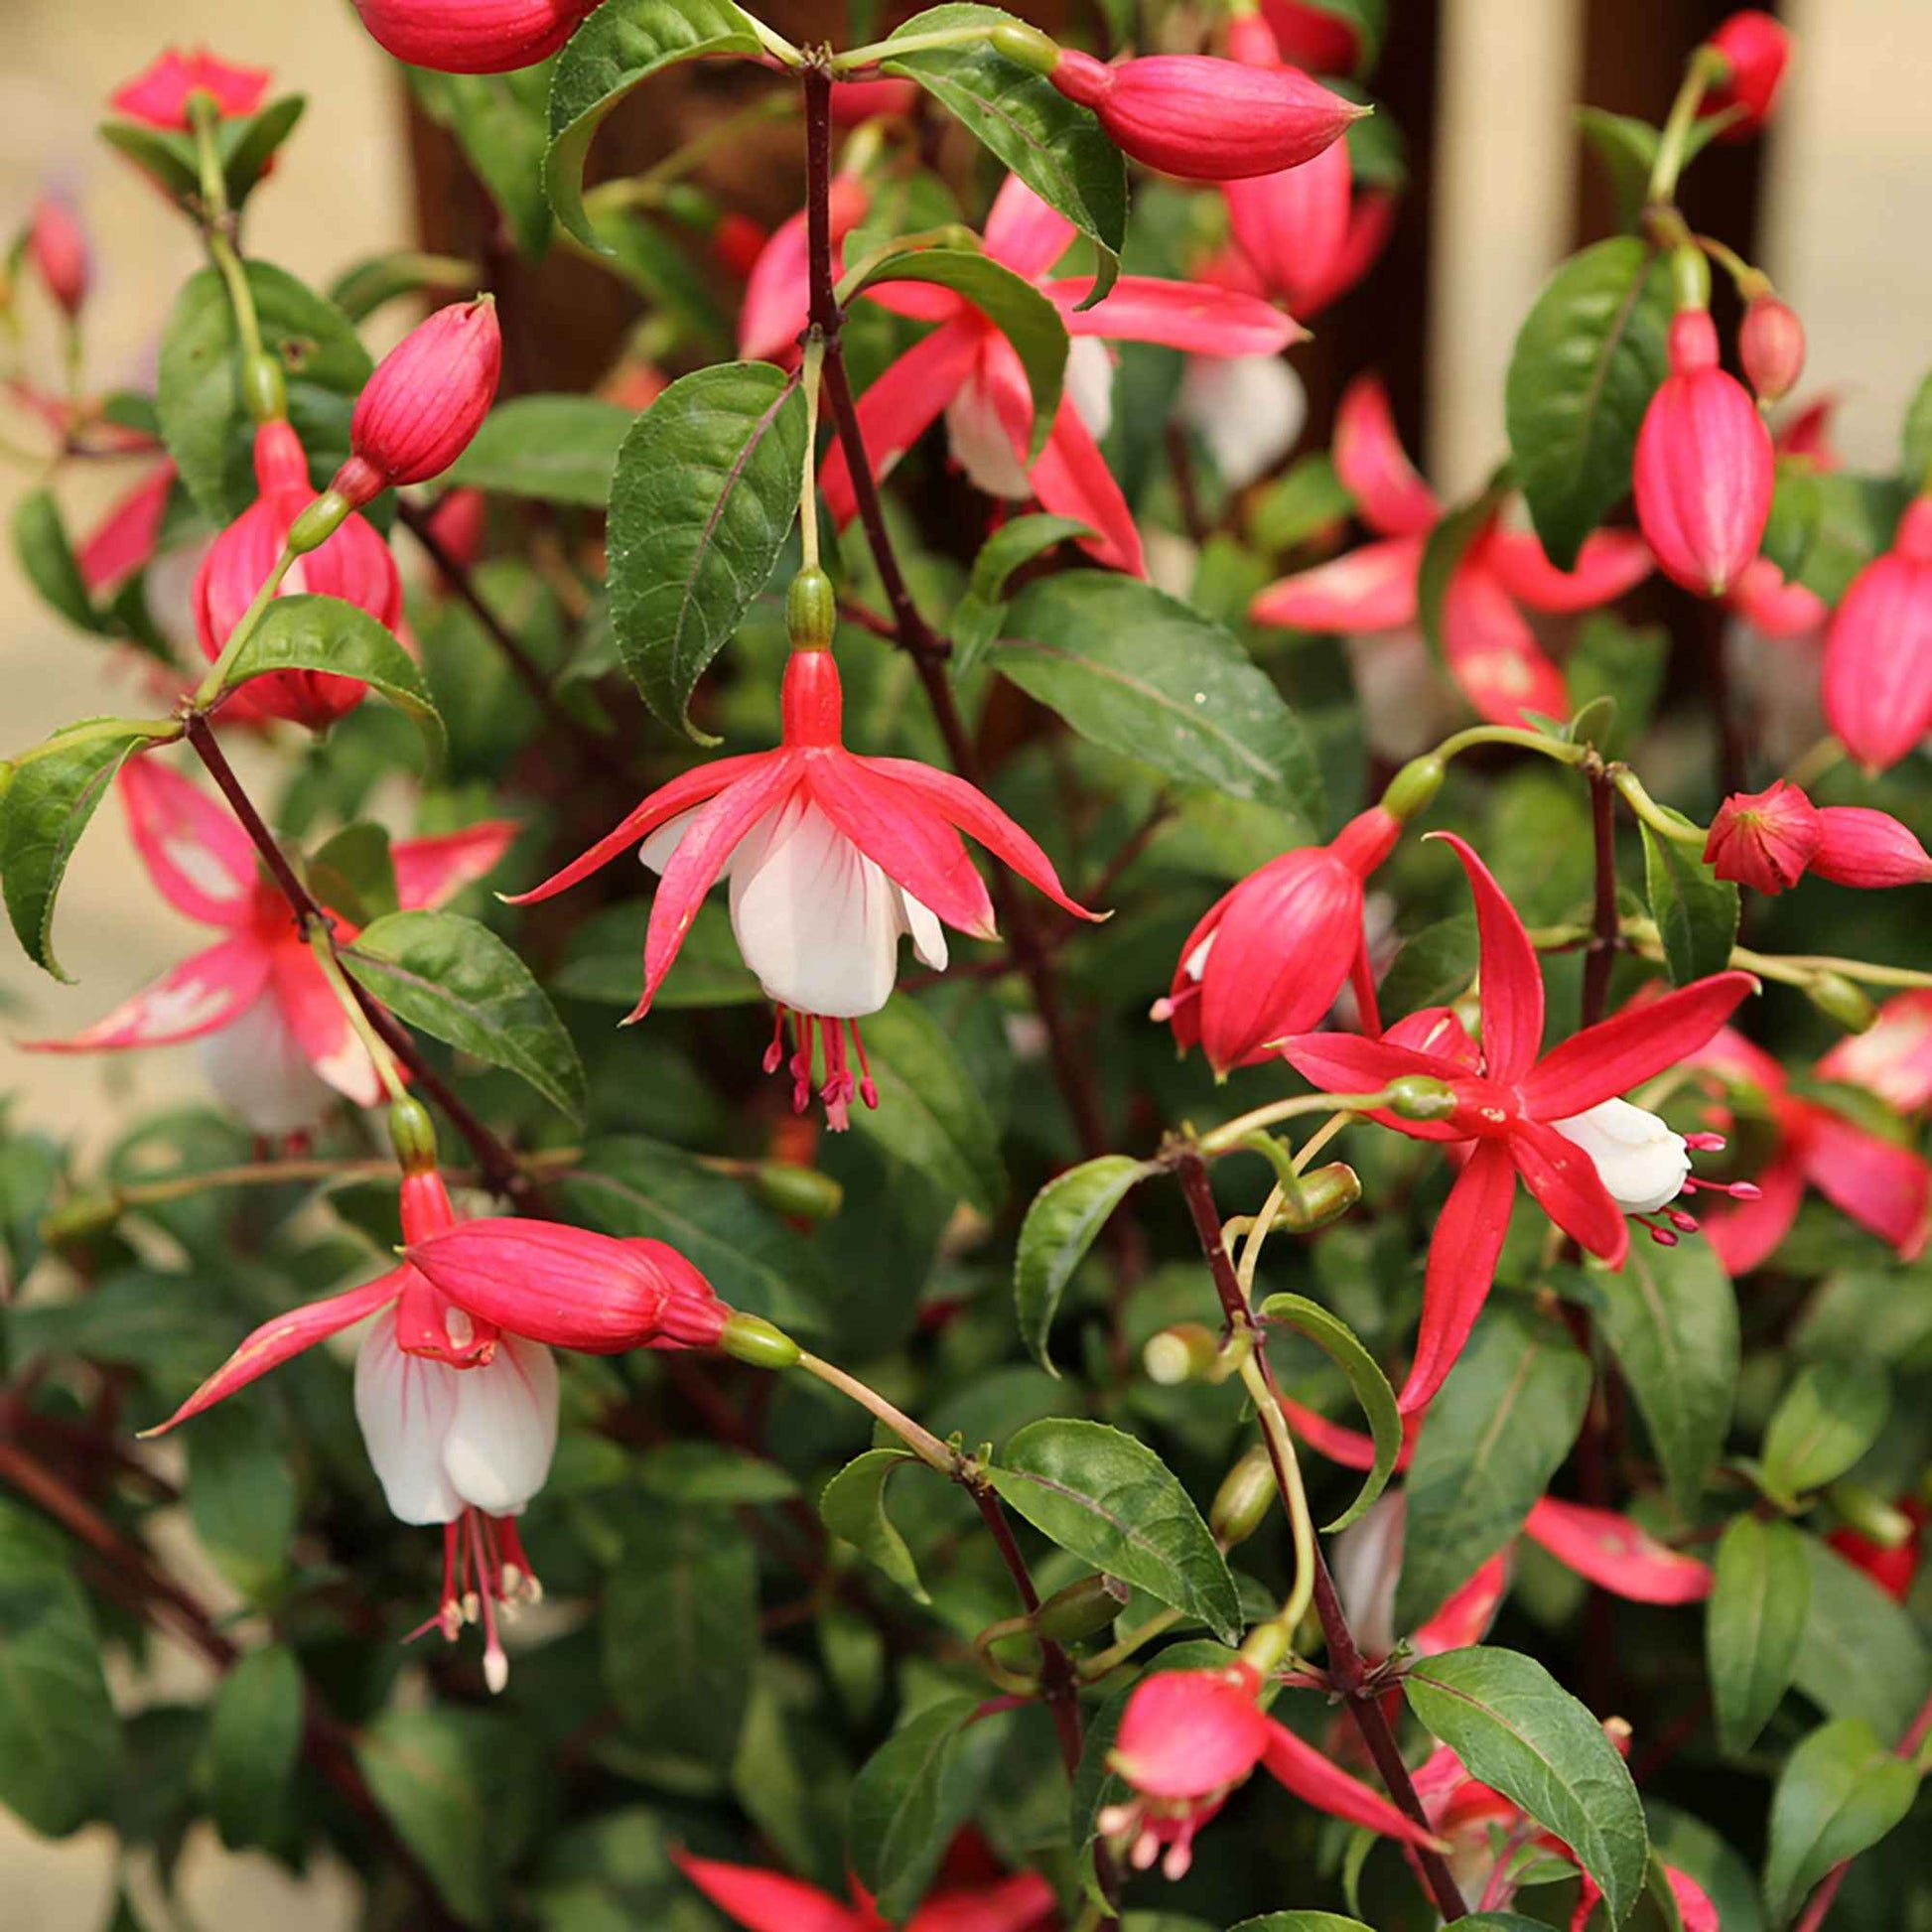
(1670, 1318)
(1755, 1622)
(1111, 1500)
(1828, 1417)
(1303, 1922)
(206, 428)
(1915, 453)
(1060, 1225)
(60, 1741)
(1840, 1792)
(1627, 147)
(462, 985)
(48, 560)
(371, 283)
(1433, 967)
(498, 121)
(680, 1631)
(1055, 147)
(254, 1737)
(1306, 500)
(324, 633)
(1695, 910)
(853, 1506)
(1517, 1728)
(1144, 675)
(355, 873)
(1496, 1434)
(914, 1794)
(1589, 358)
(1339, 1342)
(241, 1496)
(603, 961)
(1862, 1654)
(618, 48)
(980, 613)
(43, 812)
(245, 145)
(704, 496)
(558, 449)
(1014, 306)
(930, 1114)
(1449, 542)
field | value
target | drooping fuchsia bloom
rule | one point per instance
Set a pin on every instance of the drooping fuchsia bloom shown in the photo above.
(770, 1902)
(354, 564)
(1756, 51)
(275, 1044)
(157, 95)
(471, 36)
(1492, 652)
(1892, 1057)
(832, 859)
(1878, 654)
(1271, 953)
(1587, 1155)
(1769, 839)
(58, 251)
(426, 400)
(966, 369)
(1703, 470)
(1881, 1185)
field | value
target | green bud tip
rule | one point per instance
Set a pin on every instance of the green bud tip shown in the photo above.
(1326, 1195)
(1837, 999)
(799, 1193)
(1081, 1609)
(263, 392)
(1413, 789)
(752, 1338)
(81, 1215)
(1024, 45)
(811, 611)
(1264, 1647)
(1242, 1502)
(1415, 1096)
(413, 1135)
(319, 522)
(1179, 1354)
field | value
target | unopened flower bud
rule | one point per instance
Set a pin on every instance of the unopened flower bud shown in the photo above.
(318, 522)
(1080, 1610)
(1264, 1647)
(1413, 789)
(1242, 1503)
(463, 36)
(1771, 346)
(1763, 839)
(1418, 1096)
(1860, 846)
(1184, 1353)
(413, 1135)
(752, 1338)
(58, 251)
(160, 94)
(1326, 1195)
(264, 394)
(1837, 999)
(798, 1193)
(811, 611)
(1877, 686)
(1752, 50)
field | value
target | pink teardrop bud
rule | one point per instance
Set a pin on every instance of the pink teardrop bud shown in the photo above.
(1877, 685)
(1754, 50)
(1858, 846)
(1771, 346)
(59, 253)
(471, 36)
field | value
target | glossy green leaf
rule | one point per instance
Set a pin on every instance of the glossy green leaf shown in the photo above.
(60, 1741)
(1435, 966)
(1519, 1731)
(324, 633)
(1339, 1342)
(203, 422)
(499, 123)
(1589, 358)
(46, 559)
(462, 985)
(254, 1737)
(557, 449)
(355, 873)
(1828, 1417)
(705, 495)
(1840, 1792)
(241, 1496)
(1627, 147)
(618, 48)
(1144, 675)
(1055, 147)
(853, 1506)
(377, 280)
(979, 614)
(1301, 1922)
(1695, 910)
(1060, 1225)
(1754, 1624)
(1862, 1654)
(931, 1114)
(1108, 1499)
(1496, 1434)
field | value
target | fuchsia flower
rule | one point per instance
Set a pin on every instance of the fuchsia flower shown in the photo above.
(125, 538)
(159, 94)
(426, 400)
(1763, 839)
(275, 1044)
(1188, 1738)
(1892, 1057)
(58, 251)
(354, 564)
(1492, 652)
(770, 1902)
(832, 859)
(1588, 1156)
(1270, 954)
(1756, 51)
(1312, 36)
(471, 36)
(1771, 346)
(968, 371)
(1703, 470)
(1883, 1186)
(1878, 654)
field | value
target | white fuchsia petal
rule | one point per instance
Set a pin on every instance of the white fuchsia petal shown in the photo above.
(406, 1406)
(1250, 411)
(256, 1068)
(496, 1454)
(1641, 1161)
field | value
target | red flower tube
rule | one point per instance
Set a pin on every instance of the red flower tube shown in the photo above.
(1878, 654)
(157, 95)
(473, 35)
(1754, 50)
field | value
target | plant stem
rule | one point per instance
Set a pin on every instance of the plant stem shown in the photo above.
(1347, 1667)
(870, 55)
(1528, 741)
(1230, 1134)
(210, 686)
(1698, 73)
(1604, 929)
(920, 1440)
(322, 943)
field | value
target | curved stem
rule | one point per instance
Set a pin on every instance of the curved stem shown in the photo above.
(920, 1440)
(212, 685)
(1230, 1134)
(1260, 1384)
(1700, 70)
(322, 943)
(1558, 748)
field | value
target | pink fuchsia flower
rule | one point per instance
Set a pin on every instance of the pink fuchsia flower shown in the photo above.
(458, 1415)
(1771, 347)
(770, 1902)
(354, 564)
(157, 95)
(773, 313)
(124, 540)
(1763, 839)
(276, 1046)
(1188, 1738)
(58, 251)
(968, 371)
(1878, 654)
(1892, 1057)
(427, 398)
(1588, 1156)
(1754, 50)
(1704, 468)
(1371, 593)
(1885, 1187)
(1270, 954)
(1312, 36)
(832, 860)
(471, 36)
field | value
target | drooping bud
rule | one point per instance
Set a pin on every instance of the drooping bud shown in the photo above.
(798, 1193)
(1080, 1610)
(426, 400)
(1753, 51)
(1246, 1495)
(1877, 685)
(1186, 1352)
(811, 611)
(413, 1135)
(1704, 471)
(1858, 846)
(1771, 346)
(1763, 839)
(1413, 789)
(157, 95)
(58, 251)
(1326, 1195)
(471, 36)
(1837, 999)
